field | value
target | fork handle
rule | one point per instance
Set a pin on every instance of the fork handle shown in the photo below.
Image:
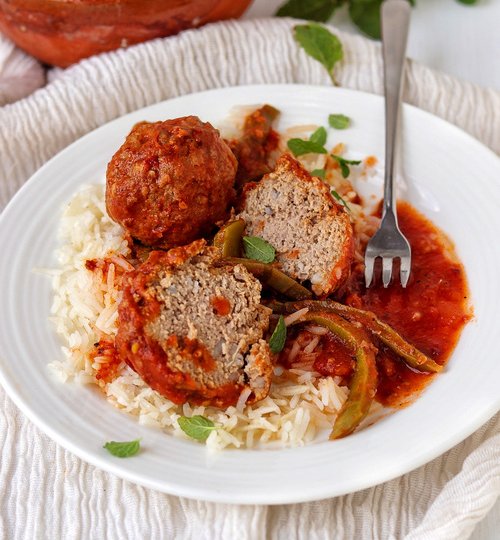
(395, 19)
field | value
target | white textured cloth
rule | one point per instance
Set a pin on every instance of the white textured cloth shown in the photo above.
(20, 74)
(49, 493)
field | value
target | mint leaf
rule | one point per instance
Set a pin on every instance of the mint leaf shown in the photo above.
(299, 147)
(340, 199)
(344, 164)
(344, 168)
(312, 10)
(123, 449)
(319, 136)
(365, 14)
(197, 427)
(277, 341)
(320, 44)
(339, 121)
(258, 249)
(349, 161)
(321, 173)
(468, 2)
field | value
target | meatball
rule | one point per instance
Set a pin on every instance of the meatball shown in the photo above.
(192, 327)
(171, 181)
(311, 231)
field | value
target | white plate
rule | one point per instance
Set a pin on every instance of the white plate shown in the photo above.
(454, 180)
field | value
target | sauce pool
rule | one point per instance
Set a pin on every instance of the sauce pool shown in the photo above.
(430, 313)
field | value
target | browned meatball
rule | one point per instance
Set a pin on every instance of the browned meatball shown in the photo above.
(171, 181)
(193, 327)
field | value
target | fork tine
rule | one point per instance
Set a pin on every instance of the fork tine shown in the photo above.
(369, 264)
(386, 271)
(404, 270)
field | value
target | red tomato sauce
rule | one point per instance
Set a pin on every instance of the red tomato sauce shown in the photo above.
(334, 359)
(430, 313)
(221, 305)
(109, 370)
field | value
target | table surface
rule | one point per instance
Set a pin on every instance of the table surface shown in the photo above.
(458, 39)
(461, 40)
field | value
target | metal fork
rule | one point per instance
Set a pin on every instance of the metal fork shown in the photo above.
(388, 242)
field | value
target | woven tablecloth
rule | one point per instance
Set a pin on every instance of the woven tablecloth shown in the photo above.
(48, 492)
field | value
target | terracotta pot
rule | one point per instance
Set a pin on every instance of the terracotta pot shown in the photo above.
(61, 32)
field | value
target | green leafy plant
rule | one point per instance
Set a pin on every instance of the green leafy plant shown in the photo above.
(311, 10)
(299, 147)
(319, 136)
(197, 427)
(319, 43)
(340, 199)
(339, 121)
(365, 14)
(123, 449)
(316, 145)
(258, 249)
(278, 338)
(344, 164)
(320, 173)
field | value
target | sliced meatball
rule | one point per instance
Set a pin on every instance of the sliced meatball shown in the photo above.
(171, 181)
(297, 214)
(192, 328)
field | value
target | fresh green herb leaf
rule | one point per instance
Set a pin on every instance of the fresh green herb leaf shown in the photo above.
(123, 449)
(277, 341)
(299, 147)
(258, 249)
(468, 2)
(365, 14)
(312, 10)
(319, 136)
(339, 121)
(320, 44)
(340, 199)
(344, 168)
(349, 161)
(321, 173)
(344, 164)
(197, 427)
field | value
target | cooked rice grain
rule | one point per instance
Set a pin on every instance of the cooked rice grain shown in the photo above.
(301, 405)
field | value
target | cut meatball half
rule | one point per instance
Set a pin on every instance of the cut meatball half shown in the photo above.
(297, 214)
(193, 328)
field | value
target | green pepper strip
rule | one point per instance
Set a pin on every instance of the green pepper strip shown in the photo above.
(273, 278)
(363, 384)
(409, 353)
(228, 238)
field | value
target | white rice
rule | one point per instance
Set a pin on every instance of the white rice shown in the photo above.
(309, 348)
(317, 330)
(301, 407)
(294, 317)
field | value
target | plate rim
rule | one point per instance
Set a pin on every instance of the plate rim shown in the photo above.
(127, 474)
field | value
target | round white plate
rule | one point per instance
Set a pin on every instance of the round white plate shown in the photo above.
(454, 180)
